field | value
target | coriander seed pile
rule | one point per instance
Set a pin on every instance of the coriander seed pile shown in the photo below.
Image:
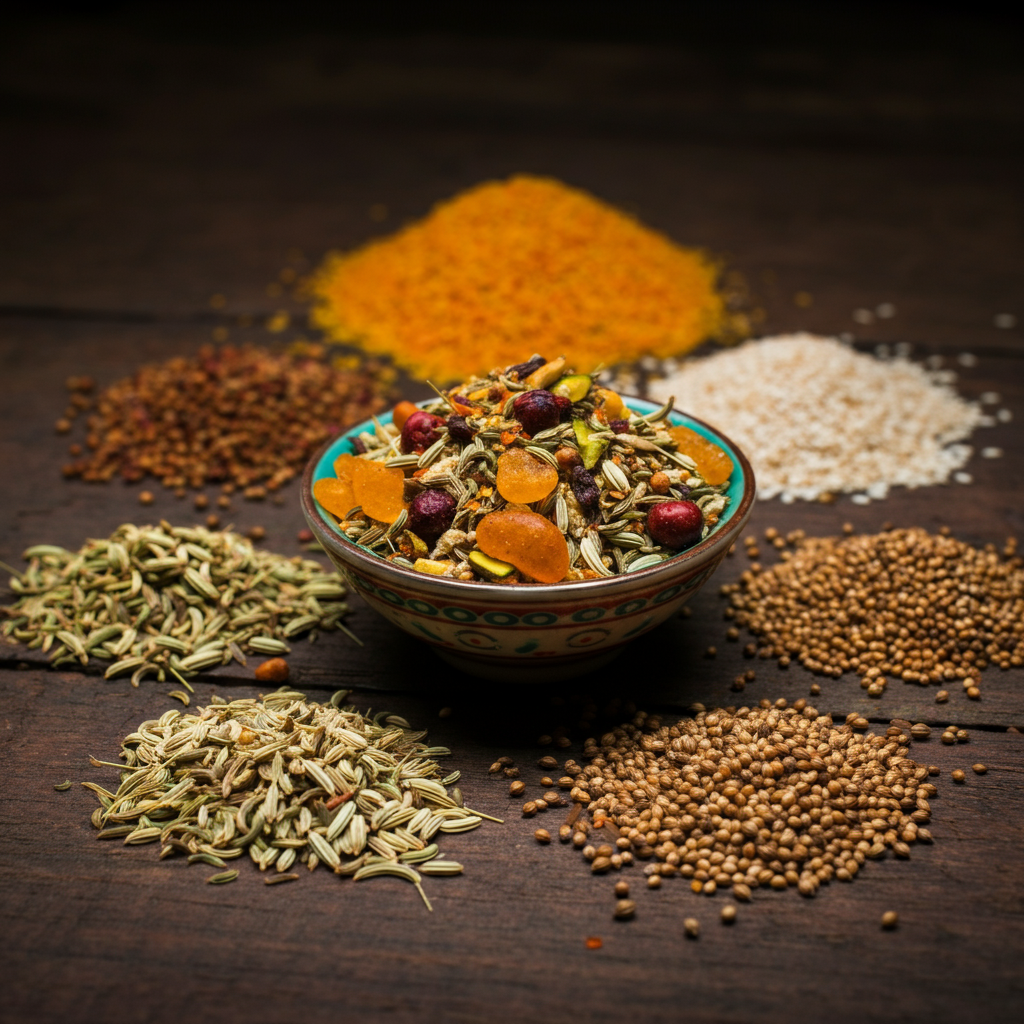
(168, 600)
(773, 795)
(246, 417)
(921, 607)
(290, 782)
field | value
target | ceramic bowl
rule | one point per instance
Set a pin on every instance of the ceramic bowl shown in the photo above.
(535, 632)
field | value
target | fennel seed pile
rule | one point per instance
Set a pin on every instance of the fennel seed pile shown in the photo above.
(774, 796)
(288, 781)
(159, 600)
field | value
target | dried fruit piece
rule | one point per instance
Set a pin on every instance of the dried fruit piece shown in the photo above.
(584, 488)
(610, 404)
(712, 462)
(273, 671)
(379, 490)
(675, 524)
(546, 374)
(431, 513)
(459, 430)
(537, 410)
(402, 412)
(591, 448)
(419, 431)
(492, 568)
(533, 544)
(433, 568)
(336, 496)
(523, 478)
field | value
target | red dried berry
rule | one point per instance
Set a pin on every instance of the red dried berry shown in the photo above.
(431, 513)
(620, 426)
(675, 524)
(459, 430)
(537, 410)
(564, 408)
(419, 432)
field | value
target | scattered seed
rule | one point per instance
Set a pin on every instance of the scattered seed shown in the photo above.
(222, 878)
(593, 942)
(692, 927)
(62, 786)
(728, 913)
(542, 835)
(622, 890)
(957, 775)
(979, 769)
(624, 909)
(890, 919)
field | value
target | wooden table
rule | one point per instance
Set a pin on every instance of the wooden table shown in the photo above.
(144, 173)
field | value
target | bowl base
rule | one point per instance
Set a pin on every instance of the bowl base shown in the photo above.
(527, 671)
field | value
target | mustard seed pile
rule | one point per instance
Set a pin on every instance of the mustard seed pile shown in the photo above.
(245, 417)
(816, 418)
(908, 604)
(774, 796)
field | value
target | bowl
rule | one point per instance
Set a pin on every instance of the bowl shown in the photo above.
(537, 632)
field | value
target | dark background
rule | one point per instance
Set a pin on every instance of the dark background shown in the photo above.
(154, 155)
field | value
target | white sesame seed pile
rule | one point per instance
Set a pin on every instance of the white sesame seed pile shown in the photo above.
(815, 417)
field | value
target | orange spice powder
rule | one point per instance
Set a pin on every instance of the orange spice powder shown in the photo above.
(513, 267)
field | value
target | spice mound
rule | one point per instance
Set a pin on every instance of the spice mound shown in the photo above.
(290, 782)
(243, 416)
(168, 601)
(817, 418)
(527, 261)
(530, 474)
(921, 607)
(771, 796)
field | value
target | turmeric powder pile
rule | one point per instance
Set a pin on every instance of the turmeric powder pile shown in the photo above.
(523, 265)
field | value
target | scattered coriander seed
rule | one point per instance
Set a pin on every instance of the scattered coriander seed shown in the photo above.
(445, 713)
(495, 768)
(224, 502)
(711, 652)
(146, 498)
(256, 532)
(942, 696)
(979, 769)
(654, 882)
(566, 782)
(741, 891)
(962, 735)
(625, 909)
(957, 775)
(551, 798)
(815, 689)
(516, 788)
(542, 835)
(212, 521)
(546, 781)
(202, 501)
(563, 742)
(934, 769)
(948, 738)
(622, 889)
(920, 731)
(579, 839)
(547, 761)
(565, 833)
(692, 927)
(511, 773)
(505, 761)
(890, 919)
(529, 809)
(728, 913)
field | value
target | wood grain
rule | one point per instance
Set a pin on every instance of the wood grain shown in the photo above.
(144, 172)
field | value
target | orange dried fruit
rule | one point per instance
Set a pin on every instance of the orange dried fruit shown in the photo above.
(712, 462)
(533, 544)
(524, 478)
(610, 404)
(402, 412)
(379, 490)
(343, 466)
(335, 495)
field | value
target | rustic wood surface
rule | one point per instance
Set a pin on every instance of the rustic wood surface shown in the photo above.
(142, 174)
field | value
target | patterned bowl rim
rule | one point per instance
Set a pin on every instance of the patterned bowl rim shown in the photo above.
(330, 536)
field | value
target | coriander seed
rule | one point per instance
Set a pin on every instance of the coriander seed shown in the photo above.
(625, 909)
(728, 913)
(890, 919)
(692, 927)
(542, 835)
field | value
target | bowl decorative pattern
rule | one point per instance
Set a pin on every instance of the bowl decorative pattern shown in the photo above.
(534, 631)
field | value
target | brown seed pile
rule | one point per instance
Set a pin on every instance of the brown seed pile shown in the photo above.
(908, 604)
(773, 795)
(242, 416)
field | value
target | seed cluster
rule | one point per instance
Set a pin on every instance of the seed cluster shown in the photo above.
(290, 782)
(773, 796)
(246, 416)
(816, 418)
(159, 600)
(922, 607)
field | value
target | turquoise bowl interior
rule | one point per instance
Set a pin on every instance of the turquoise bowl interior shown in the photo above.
(343, 445)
